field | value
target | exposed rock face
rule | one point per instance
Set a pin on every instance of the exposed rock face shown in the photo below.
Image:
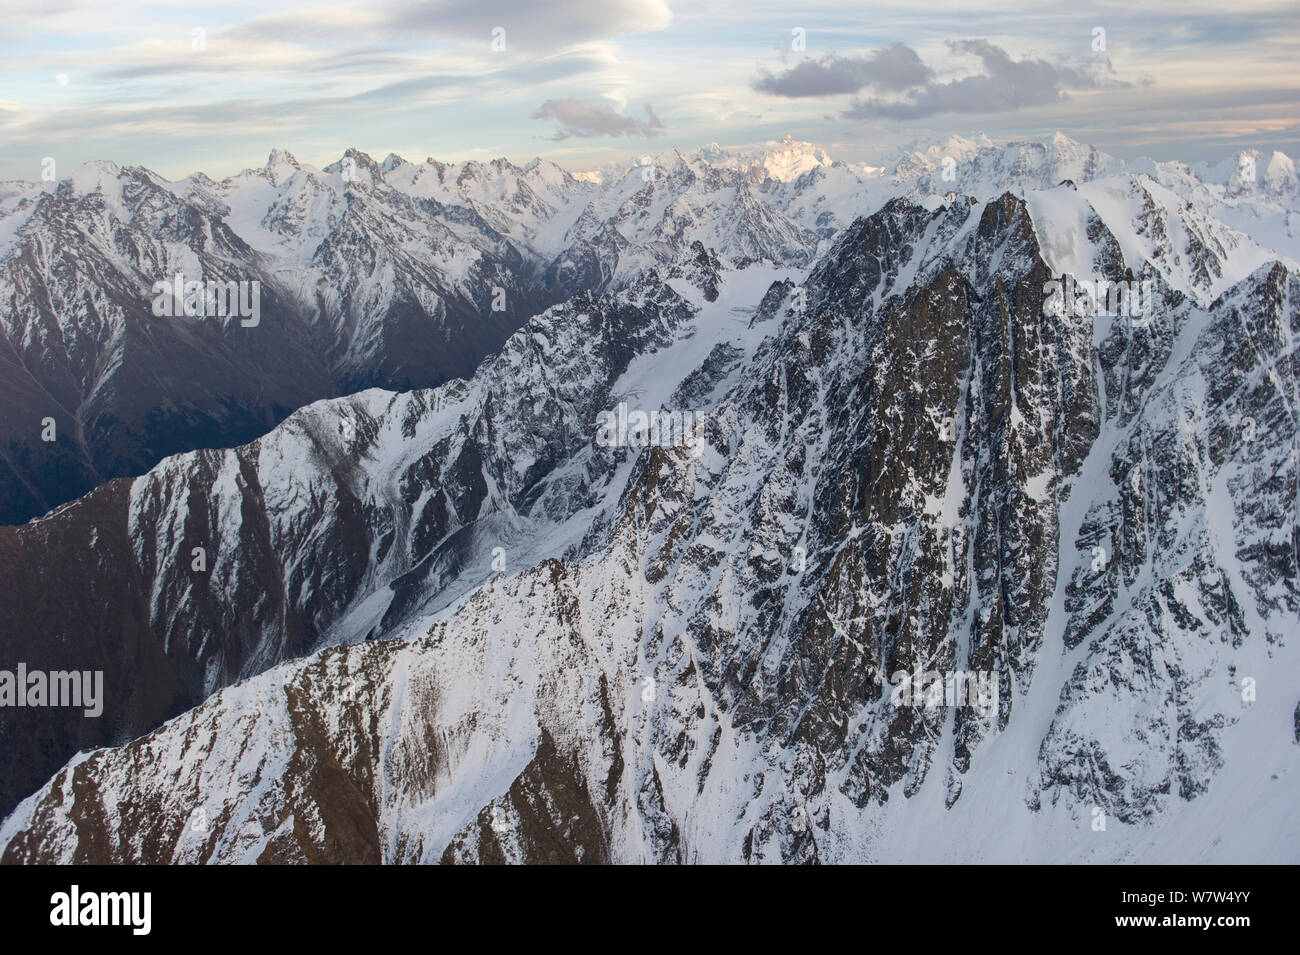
(219, 564)
(911, 464)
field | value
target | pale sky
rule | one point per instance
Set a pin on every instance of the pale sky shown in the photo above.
(180, 87)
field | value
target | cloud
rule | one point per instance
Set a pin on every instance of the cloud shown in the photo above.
(528, 25)
(893, 68)
(386, 38)
(1006, 85)
(903, 87)
(580, 118)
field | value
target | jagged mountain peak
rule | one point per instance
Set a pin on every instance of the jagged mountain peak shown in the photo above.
(360, 161)
(99, 175)
(782, 160)
(281, 157)
(668, 160)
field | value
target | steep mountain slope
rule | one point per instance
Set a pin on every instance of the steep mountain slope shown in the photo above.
(371, 274)
(1255, 194)
(915, 465)
(82, 346)
(344, 520)
(357, 286)
(654, 213)
(983, 168)
(413, 291)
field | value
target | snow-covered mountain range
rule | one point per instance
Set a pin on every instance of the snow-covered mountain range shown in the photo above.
(454, 624)
(400, 275)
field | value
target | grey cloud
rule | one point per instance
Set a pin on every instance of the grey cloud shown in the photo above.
(1006, 85)
(583, 119)
(1093, 73)
(893, 68)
